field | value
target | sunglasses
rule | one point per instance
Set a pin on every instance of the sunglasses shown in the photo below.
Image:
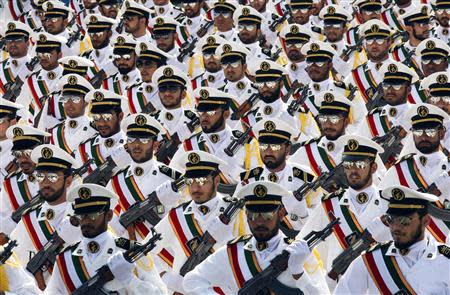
(402, 220)
(360, 165)
(315, 63)
(436, 61)
(379, 41)
(301, 10)
(163, 37)
(269, 84)
(370, 12)
(396, 87)
(246, 27)
(436, 99)
(91, 216)
(210, 55)
(169, 88)
(141, 140)
(145, 64)
(75, 99)
(22, 153)
(273, 147)
(109, 6)
(221, 13)
(431, 132)
(105, 117)
(122, 56)
(443, 10)
(52, 19)
(234, 65)
(332, 26)
(3, 120)
(52, 177)
(45, 55)
(97, 34)
(265, 215)
(208, 113)
(199, 180)
(16, 40)
(334, 119)
(296, 45)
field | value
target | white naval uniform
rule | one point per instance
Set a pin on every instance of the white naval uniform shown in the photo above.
(15, 280)
(141, 282)
(425, 269)
(442, 33)
(207, 275)
(139, 94)
(174, 121)
(6, 156)
(103, 59)
(242, 89)
(205, 222)
(75, 49)
(68, 137)
(297, 71)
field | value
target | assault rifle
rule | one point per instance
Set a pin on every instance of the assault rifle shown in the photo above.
(7, 251)
(297, 103)
(188, 47)
(13, 89)
(237, 143)
(377, 99)
(278, 20)
(206, 243)
(94, 286)
(391, 143)
(268, 277)
(246, 106)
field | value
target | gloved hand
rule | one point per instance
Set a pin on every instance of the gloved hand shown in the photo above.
(120, 268)
(219, 230)
(299, 251)
(173, 281)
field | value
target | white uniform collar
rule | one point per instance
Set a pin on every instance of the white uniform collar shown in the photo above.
(228, 35)
(358, 200)
(117, 139)
(194, 208)
(132, 77)
(53, 213)
(16, 63)
(82, 121)
(221, 136)
(104, 241)
(146, 167)
(271, 244)
(276, 108)
(57, 71)
(426, 248)
(435, 159)
(163, 10)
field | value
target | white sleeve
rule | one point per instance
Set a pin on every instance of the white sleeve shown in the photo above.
(55, 285)
(348, 284)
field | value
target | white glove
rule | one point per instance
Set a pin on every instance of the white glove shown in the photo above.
(219, 230)
(166, 195)
(120, 268)
(173, 281)
(299, 251)
(443, 182)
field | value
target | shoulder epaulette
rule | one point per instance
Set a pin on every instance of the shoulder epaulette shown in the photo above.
(444, 250)
(341, 84)
(405, 157)
(332, 195)
(379, 246)
(92, 124)
(87, 53)
(317, 139)
(166, 170)
(190, 114)
(397, 47)
(243, 238)
(195, 135)
(303, 175)
(252, 173)
(288, 240)
(124, 243)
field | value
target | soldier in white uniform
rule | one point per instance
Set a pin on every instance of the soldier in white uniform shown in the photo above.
(405, 263)
(149, 59)
(441, 14)
(136, 18)
(143, 176)
(8, 117)
(184, 226)
(164, 8)
(216, 135)
(432, 54)
(224, 25)
(77, 127)
(124, 56)
(107, 113)
(424, 165)
(38, 226)
(248, 22)
(20, 185)
(92, 206)
(262, 204)
(194, 15)
(301, 14)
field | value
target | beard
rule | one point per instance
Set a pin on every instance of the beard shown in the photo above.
(272, 98)
(214, 127)
(273, 164)
(266, 236)
(415, 238)
(361, 184)
(428, 149)
(55, 196)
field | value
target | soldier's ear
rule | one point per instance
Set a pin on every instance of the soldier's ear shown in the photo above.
(226, 114)
(69, 180)
(373, 167)
(120, 115)
(109, 215)
(441, 133)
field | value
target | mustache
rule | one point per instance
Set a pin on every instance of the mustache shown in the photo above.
(261, 228)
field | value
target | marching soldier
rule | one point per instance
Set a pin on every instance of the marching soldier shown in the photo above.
(360, 201)
(262, 204)
(365, 10)
(21, 185)
(441, 14)
(301, 11)
(8, 117)
(233, 58)
(292, 38)
(107, 112)
(77, 127)
(195, 14)
(248, 22)
(404, 263)
(392, 15)
(109, 8)
(149, 59)
(223, 19)
(424, 163)
(43, 82)
(56, 21)
(38, 226)
(124, 56)
(132, 183)
(99, 29)
(185, 225)
(213, 107)
(433, 54)
(92, 205)
(136, 18)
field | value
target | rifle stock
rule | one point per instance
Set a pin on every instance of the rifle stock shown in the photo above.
(237, 143)
(245, 107)
(7, 251)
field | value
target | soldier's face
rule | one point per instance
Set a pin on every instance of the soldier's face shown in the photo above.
(420, 31)
(274, 156)
(234, 71)
(223, 21)
(441, 102)
(111, 127)
(434, 65)
(248, 34)
(171, 96)
(161, 2)
(55, 25)
(319, 71)
(165, 42)
(92, 225)
(133, 23)
(334, 32)
(53, 191)
(301, 16)
(125, 63)
(25, 163)
(429, 139)
(360, 176)
(396, 97)
(212, 63)
(294, 53)
(17, 47)
(5, 122)
(442, 16)
(109, 10)
(333, 131)
(74, 108)
(378, 49)
(100, 39)
(367, 15)
(89, 4)
(49, 60)
(204, 191)
(146, 68)
(259, 5)
(262, 229)
(192, 8)
(213, 121)
(140, 150)
(406, 235)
